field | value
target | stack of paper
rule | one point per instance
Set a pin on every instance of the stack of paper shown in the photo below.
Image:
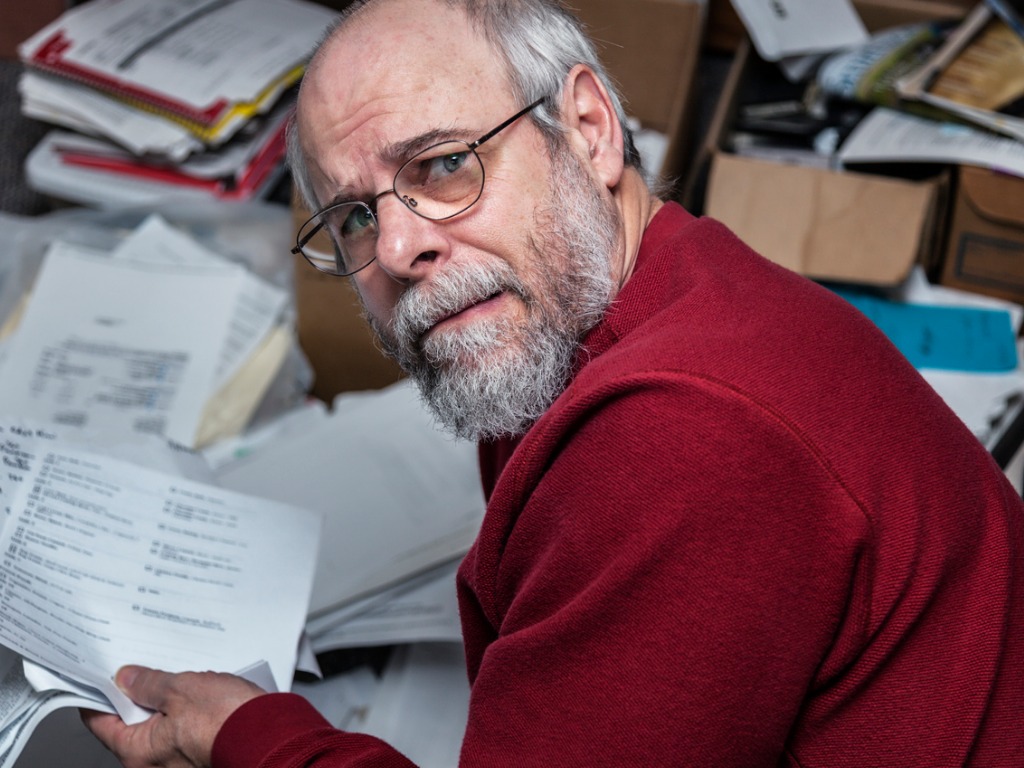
(159, 336)
(165, 79)
(90, 171)
(402, 503)
(107, 562)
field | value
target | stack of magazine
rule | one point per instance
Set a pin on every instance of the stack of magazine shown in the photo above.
(182, 96)
(978, 73)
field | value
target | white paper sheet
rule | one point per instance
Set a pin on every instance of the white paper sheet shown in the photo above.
(977, 398)
(84, 109)
(257, 305)
(193, 51)
(425, 611)
(22, 708)
(781, 28)
(423, 703)
(125, 346)
(22, 440)
(398, 495)
(888, 136)
(106, 563)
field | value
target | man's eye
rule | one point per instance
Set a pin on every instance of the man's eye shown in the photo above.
(356, 222)
(435, 169)
(452, 162)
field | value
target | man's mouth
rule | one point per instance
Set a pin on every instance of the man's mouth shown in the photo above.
(464, 311)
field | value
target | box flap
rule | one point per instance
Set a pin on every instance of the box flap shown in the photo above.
(882, 14)
(846, 227)
(993, 196)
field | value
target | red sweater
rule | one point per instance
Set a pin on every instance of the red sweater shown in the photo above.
(748, 534)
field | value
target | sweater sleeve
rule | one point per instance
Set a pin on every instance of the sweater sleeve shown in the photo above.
(670, 586)
(283, 730)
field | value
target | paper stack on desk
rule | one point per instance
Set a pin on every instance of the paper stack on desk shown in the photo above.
(159, 336)
(402, 503)
(165, 79)
(107, 563)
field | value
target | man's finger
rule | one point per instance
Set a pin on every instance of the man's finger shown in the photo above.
(146, 687)
(100, 722)
(108, 728)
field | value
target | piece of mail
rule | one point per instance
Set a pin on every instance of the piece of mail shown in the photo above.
(781, 28)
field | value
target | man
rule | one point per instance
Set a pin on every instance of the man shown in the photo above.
(728, 525)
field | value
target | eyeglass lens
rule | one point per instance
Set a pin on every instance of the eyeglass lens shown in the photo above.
(438, 183)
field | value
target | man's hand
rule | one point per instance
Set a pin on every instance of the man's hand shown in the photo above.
(190, 709)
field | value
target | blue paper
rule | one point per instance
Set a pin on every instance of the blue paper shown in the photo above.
(948, 338)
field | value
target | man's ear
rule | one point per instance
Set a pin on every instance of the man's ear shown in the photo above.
(594, 129)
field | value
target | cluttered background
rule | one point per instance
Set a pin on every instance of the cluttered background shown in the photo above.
(147, 292)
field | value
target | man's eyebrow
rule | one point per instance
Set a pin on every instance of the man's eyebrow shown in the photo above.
(400, 151)
(396, 154)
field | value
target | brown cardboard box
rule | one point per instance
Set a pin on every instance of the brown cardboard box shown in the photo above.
(332, 333)
(21, 20)
(986, 238)
(650, 48)
(829, 225)
(845, 227)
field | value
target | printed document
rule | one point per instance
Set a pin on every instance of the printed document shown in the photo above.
(888, 136)
(199, 53)
(399, 496)
(127, 342)
(104, 563)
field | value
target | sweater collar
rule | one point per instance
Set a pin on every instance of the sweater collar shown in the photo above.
(634, 301)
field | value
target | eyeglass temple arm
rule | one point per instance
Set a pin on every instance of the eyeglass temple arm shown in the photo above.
(492, 133)
(309, 236)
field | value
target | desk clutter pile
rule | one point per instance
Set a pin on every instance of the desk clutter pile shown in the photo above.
(172, 97)
(878, 147)
(158, 345)
(158, 444)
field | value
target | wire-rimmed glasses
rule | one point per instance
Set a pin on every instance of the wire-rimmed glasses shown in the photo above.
(436, 183)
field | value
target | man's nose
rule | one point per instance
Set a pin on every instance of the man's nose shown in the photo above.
(409, 246)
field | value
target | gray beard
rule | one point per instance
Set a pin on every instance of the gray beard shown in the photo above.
(495, 378)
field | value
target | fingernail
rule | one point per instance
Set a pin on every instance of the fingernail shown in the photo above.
(125, 677)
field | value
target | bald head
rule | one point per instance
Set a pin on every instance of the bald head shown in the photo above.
(535, 43)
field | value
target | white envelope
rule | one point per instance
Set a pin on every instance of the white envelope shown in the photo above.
(781, 28)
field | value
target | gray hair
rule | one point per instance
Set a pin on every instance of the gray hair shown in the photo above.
(540, 42)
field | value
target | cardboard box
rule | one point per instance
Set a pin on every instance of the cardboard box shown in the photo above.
(828, 225)
(650, 49)
(844, 227)
(335, 338)
(985, 253)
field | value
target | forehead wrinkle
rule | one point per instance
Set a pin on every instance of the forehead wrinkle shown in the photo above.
(395, 154)
(398, 152)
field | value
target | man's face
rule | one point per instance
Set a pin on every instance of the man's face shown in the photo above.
(484, 310)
